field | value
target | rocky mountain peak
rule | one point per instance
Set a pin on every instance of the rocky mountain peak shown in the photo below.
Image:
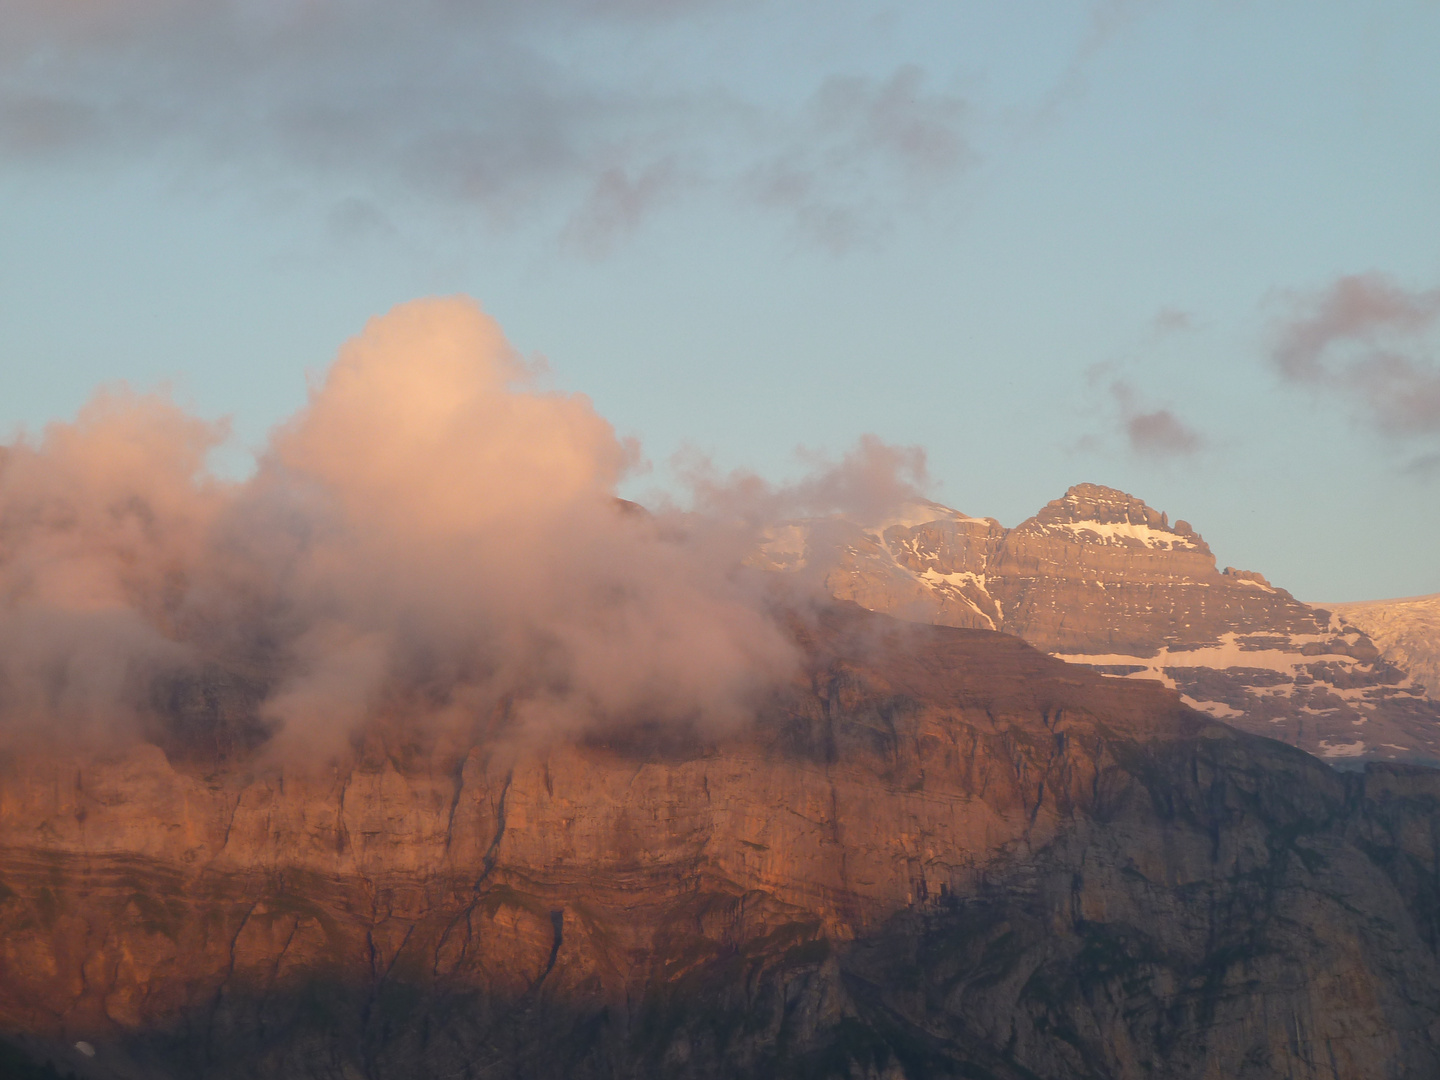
(1097, 514)
(1098, 577)
(1095, 502)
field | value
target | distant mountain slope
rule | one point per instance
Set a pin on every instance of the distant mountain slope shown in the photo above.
(1407, 632)
(1097, 577)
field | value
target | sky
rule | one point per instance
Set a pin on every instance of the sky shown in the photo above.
(1190, 250)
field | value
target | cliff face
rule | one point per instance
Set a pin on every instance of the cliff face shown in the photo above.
(1097, 577)
(939, 853)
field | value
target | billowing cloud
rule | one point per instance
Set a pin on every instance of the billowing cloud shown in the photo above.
(102, 522)
(516, 113)
(1371, 340)
(864, 485)
(432, 537)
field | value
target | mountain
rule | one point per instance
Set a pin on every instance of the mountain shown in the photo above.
(936, 852)
(1406, 631)
(1099, 578)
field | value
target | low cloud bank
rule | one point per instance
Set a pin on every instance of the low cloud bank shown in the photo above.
(433, 538)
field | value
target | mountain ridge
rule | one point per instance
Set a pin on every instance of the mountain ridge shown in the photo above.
(1098, 577)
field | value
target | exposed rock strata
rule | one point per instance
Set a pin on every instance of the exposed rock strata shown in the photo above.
(1097, 577)
(939, 854)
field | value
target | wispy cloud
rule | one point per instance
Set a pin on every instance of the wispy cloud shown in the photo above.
(617, 204)
(515, 112)
(856, 138)
(1371, 341)
(1108, 19)
(1172, 321)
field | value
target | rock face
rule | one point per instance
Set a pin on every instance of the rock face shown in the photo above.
(1099, 578)
(1406, 631)
(939, 853)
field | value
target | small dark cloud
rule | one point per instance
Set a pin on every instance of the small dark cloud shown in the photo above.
(1426, 466)
(1370, 341)
(1161, 433)
(1152, 432)
(1148, 430)
(1173, 321)
(355, 220)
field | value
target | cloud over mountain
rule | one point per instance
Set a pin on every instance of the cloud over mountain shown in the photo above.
(433, 535)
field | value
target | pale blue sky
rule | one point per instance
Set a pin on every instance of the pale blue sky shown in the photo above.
(1002, 231)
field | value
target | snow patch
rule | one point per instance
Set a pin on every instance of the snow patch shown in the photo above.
(1341, 750)
(1217, 709)
(954, 585)
(1226, 653)
(1251, 583)
(963, 577)
(1116, 533)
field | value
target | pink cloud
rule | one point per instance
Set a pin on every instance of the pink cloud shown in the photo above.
(432, 537)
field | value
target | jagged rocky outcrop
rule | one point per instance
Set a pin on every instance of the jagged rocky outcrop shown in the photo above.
(1098, 577)
(939, 853)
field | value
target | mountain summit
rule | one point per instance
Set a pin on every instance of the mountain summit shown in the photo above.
(1098, 577)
